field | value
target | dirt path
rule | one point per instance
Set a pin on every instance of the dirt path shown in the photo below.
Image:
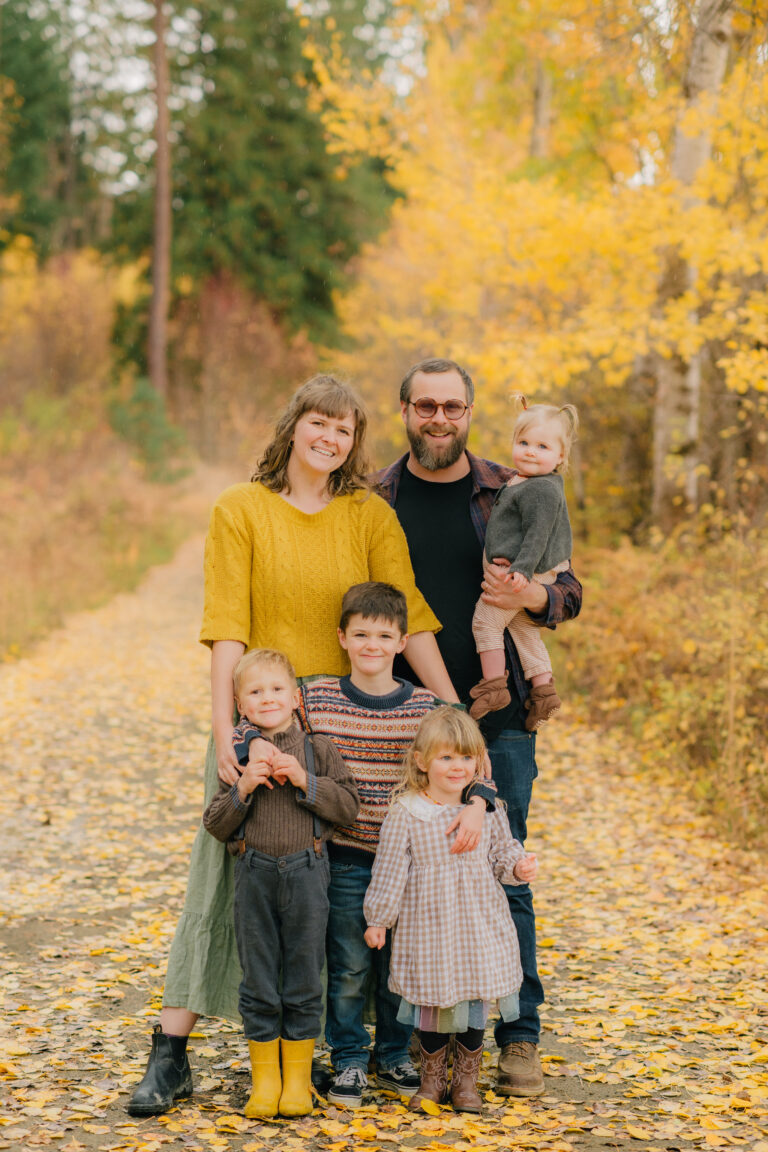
(653, 935)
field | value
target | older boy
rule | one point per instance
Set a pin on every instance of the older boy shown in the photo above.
(372, 716)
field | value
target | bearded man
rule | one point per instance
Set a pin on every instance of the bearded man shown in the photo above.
(443, 496)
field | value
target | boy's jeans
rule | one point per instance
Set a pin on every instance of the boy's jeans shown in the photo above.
(513, 760)
(350, 961)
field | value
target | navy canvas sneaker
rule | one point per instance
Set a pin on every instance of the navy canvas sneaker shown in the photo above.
(402, 1078)
(347, 1087)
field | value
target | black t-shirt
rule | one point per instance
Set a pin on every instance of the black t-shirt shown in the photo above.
(447, 560)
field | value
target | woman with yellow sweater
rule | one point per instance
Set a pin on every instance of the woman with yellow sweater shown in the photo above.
(281, 552)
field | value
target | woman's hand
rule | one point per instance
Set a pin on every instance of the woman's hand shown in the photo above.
(375, 936)
(226, 761)
(468, 826)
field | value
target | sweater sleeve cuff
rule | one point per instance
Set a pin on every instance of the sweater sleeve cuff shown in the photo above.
(242, 745)
(486, 790)
(240, 805)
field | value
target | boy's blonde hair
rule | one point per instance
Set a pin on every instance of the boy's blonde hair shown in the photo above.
(262, 656)
(445, 727)
(566, 416)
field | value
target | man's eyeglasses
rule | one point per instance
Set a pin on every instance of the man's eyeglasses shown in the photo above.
(426, 408)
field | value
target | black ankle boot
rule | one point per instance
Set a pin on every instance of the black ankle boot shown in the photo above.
(168, 1076)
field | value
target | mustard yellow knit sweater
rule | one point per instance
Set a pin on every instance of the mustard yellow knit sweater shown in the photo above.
(275, 576)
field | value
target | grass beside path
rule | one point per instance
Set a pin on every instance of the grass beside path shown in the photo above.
(653, 934)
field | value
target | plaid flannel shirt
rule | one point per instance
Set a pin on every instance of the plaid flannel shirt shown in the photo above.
(564, 596)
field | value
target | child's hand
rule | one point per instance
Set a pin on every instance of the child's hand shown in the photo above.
(255, 773)
(517, 582)
(286, 767)
(375, 936)
(259, 749)
(526, 868)
(469, 823)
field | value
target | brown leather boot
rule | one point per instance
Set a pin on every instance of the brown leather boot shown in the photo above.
(489, 696)
(466, 1068)
(542, 703)
(434, 1078)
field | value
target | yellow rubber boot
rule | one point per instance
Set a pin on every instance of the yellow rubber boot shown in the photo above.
(296, 1099)
(265, 1073)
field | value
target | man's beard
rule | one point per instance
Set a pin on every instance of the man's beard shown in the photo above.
(442, 456)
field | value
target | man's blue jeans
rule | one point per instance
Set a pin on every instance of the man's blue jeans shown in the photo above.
(350, 961)
(513, 760)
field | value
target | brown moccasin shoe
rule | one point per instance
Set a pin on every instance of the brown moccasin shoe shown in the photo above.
(489, 696)
(519, 1072)
(542, 703)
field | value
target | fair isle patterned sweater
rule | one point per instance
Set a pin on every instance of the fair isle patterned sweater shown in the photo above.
(372, 733)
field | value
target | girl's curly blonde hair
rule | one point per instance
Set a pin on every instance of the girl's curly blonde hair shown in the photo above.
(445, 727)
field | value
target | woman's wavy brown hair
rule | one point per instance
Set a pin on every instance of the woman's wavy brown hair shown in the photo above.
(330, 397)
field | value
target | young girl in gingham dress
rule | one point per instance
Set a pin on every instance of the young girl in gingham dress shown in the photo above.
(455, 946)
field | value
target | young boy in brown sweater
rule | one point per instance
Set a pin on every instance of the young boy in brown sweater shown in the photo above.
(281, 812)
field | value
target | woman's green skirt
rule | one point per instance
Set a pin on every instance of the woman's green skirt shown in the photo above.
(204, 972)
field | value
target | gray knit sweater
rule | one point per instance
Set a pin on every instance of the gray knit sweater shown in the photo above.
(278, 821)
(529, 525)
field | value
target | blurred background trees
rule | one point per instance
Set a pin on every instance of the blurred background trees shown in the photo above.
(569, 199)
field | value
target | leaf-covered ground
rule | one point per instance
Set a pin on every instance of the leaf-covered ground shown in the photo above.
(653, 934)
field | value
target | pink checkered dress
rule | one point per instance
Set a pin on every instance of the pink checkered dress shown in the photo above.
(455, 939)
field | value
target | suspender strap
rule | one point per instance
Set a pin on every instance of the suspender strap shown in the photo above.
(317, 832)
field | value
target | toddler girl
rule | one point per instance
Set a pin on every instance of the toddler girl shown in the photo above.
(529, 528)
(455, 946)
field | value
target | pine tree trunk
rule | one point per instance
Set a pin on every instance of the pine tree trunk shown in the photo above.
(677, 411)
(161, 258)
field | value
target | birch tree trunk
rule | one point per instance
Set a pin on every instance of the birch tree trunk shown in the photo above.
(542, 113)
(161, 254)
(677, 411)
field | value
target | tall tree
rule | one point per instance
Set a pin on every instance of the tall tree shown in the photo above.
(676, 424)
(257, 193)
(44, 172)
(161, 248)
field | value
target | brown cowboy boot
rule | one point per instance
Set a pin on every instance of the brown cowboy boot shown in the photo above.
(542, 703)
(489, 696)
(434, 1078)
(466, 1068)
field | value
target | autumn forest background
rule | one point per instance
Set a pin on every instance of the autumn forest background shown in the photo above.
(201, 205)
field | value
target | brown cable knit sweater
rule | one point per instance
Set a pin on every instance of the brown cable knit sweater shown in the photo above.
(279, 821)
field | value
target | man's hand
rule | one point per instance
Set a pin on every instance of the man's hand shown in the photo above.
(375, 936)
(286, 767)
(526, 868)
(499, 591)
(469, 823)
(255, 773)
